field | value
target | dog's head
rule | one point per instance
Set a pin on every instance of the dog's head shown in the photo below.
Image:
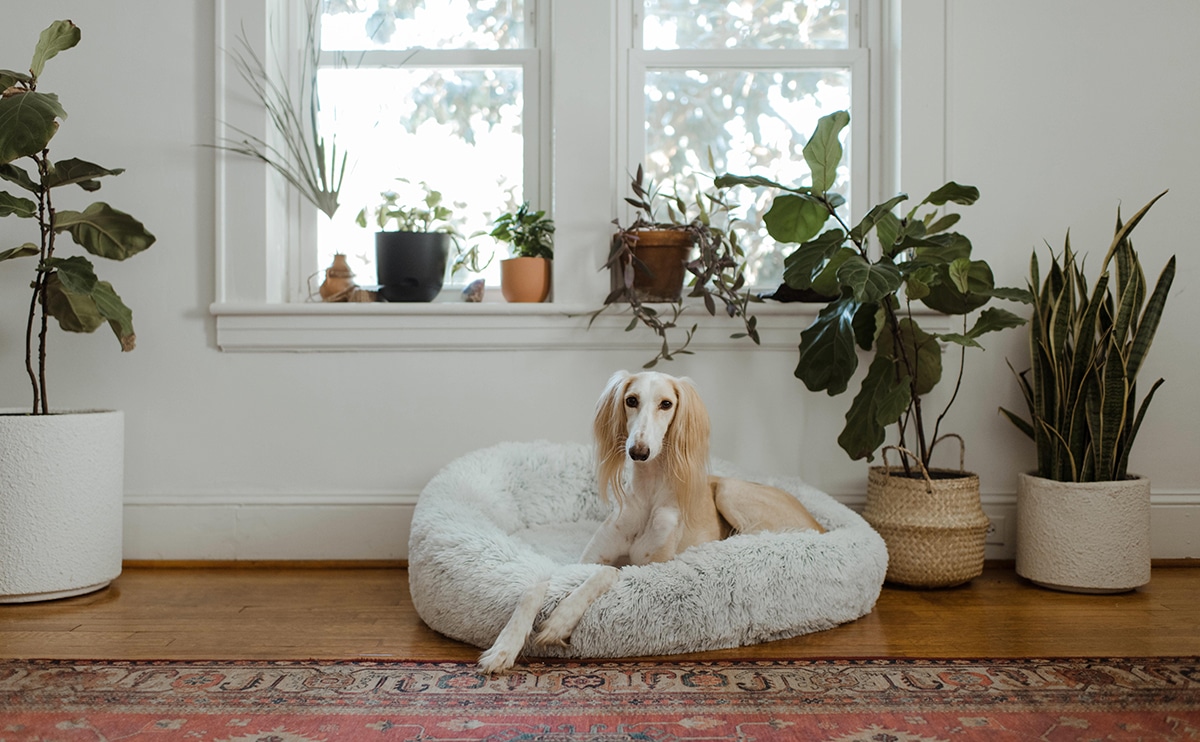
(647, 415)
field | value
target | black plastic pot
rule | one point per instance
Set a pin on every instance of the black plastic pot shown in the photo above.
(411, 266)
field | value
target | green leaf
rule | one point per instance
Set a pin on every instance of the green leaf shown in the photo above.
(14, 174)
(76, 273)
(21, 251)
(13, 206)
(74, 312)
(941, 225)
(826, 282)
(915, 288)
(873, 216)
(880, 401)
(869, 282)
(823, 152)
(994, 319)
(751, 181)
(919, 355)
(793, 218)
(9, 78)
(58, 36)
(959, 274)
(27, 124)
(827, 355)
(119, 316)
(78, 171)
(1025, 296)
(804, 263)
(947, 297)
(953, 192)
(104, 231)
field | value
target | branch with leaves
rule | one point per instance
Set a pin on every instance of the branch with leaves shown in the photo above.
(917, 260)
(65, 288)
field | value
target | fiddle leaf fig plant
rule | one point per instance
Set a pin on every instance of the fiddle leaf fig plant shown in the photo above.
(65, 288)
(870, 292)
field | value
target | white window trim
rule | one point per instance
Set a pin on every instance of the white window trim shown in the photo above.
(256, 216)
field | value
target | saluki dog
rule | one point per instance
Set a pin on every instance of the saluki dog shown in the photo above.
(658, 423)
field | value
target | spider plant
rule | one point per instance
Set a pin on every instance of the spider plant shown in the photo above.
(303, 158)
(1086, 350)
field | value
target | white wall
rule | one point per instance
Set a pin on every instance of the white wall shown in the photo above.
(1057, 111)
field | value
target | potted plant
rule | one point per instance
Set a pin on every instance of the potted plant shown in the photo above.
(1083, 522)
(931, 518)
(525, 277)
(61, 472)
(411, 258)
(649, 260)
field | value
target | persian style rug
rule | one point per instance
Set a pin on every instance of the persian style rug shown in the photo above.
(627, 701)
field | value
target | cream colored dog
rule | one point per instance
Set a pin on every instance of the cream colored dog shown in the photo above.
(659, 423)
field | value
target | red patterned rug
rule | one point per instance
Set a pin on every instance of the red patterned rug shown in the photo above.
(876, 700)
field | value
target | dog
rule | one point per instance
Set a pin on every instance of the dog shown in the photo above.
(671, 503)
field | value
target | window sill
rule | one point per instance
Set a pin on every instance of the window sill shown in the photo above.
(487, 326)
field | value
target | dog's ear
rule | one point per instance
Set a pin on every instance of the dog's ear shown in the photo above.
(691, 426)
(609, 432)
(687, 447)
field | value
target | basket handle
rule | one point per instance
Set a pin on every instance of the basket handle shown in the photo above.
(887, 469)
(962, 449)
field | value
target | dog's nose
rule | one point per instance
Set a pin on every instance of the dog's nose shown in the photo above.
(639, 452)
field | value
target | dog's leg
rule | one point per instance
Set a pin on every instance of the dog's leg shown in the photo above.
(503, 652)
(561, 623)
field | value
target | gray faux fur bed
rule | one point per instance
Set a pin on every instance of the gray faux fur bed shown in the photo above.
(495, 521)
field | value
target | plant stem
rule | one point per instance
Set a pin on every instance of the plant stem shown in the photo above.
(46, 218)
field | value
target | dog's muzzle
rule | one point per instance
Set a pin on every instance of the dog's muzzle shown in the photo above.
(639, 452)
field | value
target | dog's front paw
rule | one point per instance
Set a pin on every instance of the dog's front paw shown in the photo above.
(496, 661)
(555, 631)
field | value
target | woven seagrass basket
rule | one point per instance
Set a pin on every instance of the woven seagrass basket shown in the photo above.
(934, 527)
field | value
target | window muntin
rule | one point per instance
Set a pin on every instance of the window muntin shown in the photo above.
(405, 24)
(747, 81)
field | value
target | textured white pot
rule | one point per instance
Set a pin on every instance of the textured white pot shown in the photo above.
(61, 494)
(1089, 537)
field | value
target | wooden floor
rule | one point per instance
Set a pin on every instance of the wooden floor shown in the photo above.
(290, 613)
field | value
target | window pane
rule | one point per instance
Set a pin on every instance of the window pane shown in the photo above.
(746, 24)
(433, 24)
(459, 130)
(755, 123)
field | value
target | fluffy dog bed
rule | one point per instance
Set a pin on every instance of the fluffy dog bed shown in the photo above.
(497, 520)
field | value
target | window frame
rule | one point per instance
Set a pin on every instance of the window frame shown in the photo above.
(258, 219)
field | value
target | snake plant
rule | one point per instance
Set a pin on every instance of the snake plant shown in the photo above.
(1086, 350)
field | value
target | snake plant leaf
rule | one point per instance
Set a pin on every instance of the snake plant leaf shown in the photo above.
(1122, 470)
(104, 231)
(57, 37)
(823, 151)
(1151, 315)
(15, 206)
(28, 121)
(827, 355)
(81, 172)
(808, 260)
(75, 312)
(869, 282)
(794, 218)
(880, 401)
(20, 251)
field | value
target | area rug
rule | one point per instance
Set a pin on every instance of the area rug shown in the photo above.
(883, 700)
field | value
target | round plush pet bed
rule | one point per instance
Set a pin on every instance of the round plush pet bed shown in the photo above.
(498, 520)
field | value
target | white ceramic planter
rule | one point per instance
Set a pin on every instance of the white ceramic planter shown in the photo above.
(61, 495)
(1090, 537)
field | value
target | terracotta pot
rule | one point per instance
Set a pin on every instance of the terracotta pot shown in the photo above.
(664, 254)
(62, 491)
(525, 280)
(1084, 537)
(339, 280)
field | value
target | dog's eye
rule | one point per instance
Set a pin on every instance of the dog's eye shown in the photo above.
(631, 402)
(666, 404)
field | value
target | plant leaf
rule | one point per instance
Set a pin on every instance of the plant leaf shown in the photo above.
(78, 171)
(994, 319)
(14, 206)
(58, 36)
(880, 401)
(823, 152)
(804, 263)
(827, 355)
(14, 174)
(104, 231)
(863, 228)
(953, 192)
(76, 273)
(27, 124)
(869, 282)
(119, 316)
(793, 218)
(21, 251)
(920, 355)
(74, 312)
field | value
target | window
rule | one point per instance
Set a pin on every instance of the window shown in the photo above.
(430, 95)
(746, 81)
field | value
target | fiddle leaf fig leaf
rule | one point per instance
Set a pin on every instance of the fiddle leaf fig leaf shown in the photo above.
(920, 354)
(58, 36)
(994, 319)
(119, 316)
(874, 215)
(21, 251)
(824, 151)
(104, 231)
(75, 312)
(880, 401)
(794, 218)
(27, 123)
(953, 193)
(826, 282)
(808, 260)
(869, 282)
(827, 355)
(78, 171)
(14, 174)
(14, 206)
(76, 273)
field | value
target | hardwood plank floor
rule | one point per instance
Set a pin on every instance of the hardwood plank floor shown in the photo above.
(337, 613)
